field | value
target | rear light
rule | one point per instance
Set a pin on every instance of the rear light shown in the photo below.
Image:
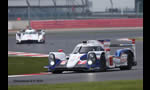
(111, 60)
(133, 41)
(60, 50)
(107, 49)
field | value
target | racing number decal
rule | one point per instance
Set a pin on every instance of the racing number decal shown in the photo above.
(82, 62)
(123, 58)
(63, 62)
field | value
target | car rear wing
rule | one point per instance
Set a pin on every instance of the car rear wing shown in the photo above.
(131, 44)
(124, 45)
(107, 44)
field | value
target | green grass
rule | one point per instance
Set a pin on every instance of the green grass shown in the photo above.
(26, 65)
(107, 85)
(139, 38)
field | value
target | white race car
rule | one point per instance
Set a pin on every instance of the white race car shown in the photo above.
(93, 55)
(30, 35)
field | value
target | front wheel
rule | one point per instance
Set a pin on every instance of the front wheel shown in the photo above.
(41, 41)
(103, 63)
(17, 42)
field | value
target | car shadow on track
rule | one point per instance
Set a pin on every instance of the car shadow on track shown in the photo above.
(109, 70)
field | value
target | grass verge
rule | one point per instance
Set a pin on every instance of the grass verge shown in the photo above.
(139, 38)
(106, 85)
(26, 65)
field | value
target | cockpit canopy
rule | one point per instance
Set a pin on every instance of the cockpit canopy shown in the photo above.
(86, 49)
(28, 31)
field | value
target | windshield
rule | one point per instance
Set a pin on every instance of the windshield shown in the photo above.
(87, 49)
(30, 33)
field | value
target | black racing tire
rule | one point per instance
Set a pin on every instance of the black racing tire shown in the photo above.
(17, 42)
(57, 72)
(129, 62)
(43, 42)
(103, 63)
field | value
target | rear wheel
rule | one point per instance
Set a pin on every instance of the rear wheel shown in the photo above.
(129, 61)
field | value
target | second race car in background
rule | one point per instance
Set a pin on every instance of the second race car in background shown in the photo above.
(30, 35)
(94, 55)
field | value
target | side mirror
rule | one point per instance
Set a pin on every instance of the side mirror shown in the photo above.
(60, 50)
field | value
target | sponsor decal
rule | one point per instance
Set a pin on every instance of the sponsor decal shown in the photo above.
(82, 62)
(63, 62)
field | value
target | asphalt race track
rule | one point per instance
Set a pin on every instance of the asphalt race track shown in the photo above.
(67, 40)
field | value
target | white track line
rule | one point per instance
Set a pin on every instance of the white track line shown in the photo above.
(18, 75)
(27, 54)
(25, 75)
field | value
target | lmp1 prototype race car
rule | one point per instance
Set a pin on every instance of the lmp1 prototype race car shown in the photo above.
(30, 35)
(93, 55)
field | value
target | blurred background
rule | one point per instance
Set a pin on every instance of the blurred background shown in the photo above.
(74, 9)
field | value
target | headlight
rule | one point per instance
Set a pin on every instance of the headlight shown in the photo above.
(52, 63)
(51, 59)
(91, 58)
(90, 62)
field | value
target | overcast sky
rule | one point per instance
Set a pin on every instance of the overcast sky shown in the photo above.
(100, 5)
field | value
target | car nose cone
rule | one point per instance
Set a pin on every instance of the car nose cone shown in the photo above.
(73, 60)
